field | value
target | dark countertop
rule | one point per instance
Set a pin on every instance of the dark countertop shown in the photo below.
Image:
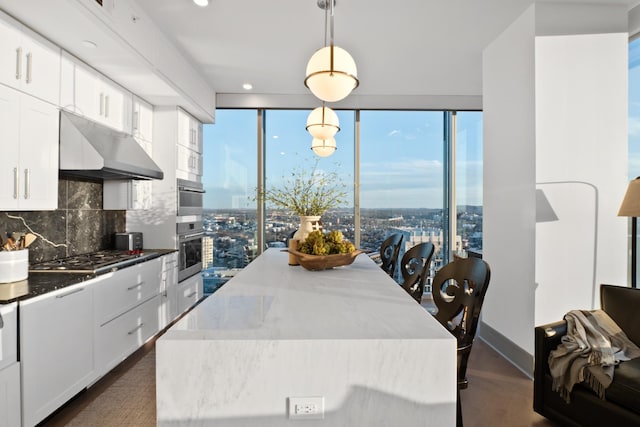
(39, 283)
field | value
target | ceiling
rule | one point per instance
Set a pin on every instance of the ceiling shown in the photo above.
(409, 47)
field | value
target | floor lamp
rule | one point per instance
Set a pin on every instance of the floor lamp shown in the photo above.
(631, 207)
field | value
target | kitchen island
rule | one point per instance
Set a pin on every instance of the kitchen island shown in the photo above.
(279, 342)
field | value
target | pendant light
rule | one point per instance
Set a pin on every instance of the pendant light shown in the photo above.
(323, 123)
(323, 147)
(331, 72)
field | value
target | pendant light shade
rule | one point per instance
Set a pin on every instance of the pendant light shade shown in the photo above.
(331, 74)
(323, 147)
(323, 123)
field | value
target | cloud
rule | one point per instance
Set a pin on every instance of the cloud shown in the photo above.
(393, 132)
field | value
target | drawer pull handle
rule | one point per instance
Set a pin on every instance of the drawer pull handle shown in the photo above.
(192, 294)
(130, 288)
(131, 332)
(70, 293)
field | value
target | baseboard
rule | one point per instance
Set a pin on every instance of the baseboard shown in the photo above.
(507, 349)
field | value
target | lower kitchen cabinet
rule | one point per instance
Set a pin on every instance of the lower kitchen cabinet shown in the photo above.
(56, 348)
(168, 309)
(123, 335)
(189, 292)
(9, 397)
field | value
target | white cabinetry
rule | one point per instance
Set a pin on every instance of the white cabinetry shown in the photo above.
(9, 367)
(169, 296)
(189, 292)
(189, 148)
(86, 92)
(126, 312)
(142, 123)
(10, 396)
(28, 62)
(56, 352)
(29, 150)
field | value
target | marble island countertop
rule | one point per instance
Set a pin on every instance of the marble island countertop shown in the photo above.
(39, 283)
(349, 337)
(267, 302)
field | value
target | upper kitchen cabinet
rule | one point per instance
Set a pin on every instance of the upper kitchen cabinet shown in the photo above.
(28, 62)
(88, 93)
(142, 123)
(189, 132)
(189, 147)
(29, 133)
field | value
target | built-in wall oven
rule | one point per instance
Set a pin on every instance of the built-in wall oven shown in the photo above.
(189, 228)
(190, 194)
(189, 248)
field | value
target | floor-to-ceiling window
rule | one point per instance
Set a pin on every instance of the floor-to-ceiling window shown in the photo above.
(288, 149)
(401, 178)
(229, 177)
(399, 161)
(634, 111)
(468, 180)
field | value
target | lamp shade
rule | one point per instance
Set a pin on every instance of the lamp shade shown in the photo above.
(323, 123)
(331, 74)
(631, 202)
(323, 147)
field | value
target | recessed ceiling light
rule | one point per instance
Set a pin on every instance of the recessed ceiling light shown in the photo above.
(201, 3)
(247, 86)
(89, 44)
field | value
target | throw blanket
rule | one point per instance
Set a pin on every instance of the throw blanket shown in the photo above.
(589, 351)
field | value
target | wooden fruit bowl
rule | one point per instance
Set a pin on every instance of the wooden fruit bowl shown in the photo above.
(324, 262)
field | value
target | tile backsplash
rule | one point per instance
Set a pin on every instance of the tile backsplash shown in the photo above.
(78, 226)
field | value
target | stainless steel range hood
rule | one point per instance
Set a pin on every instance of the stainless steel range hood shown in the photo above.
(91, 150)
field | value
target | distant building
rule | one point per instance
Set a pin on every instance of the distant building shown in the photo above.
(207, 252)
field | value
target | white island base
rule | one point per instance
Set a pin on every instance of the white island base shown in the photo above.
(350, 342)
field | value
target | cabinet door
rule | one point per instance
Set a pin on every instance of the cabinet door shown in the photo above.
(142, 121)
(11, 54)
(88, 101)
(28, 62)
(9, 148)
(56, 349)
(116, 104)
(10, 396)
(41, 68)
(189, 292)
(39, 124)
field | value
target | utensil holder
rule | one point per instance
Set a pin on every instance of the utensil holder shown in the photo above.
(14, 265)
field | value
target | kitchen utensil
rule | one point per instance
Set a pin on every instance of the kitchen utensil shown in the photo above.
(29, 238)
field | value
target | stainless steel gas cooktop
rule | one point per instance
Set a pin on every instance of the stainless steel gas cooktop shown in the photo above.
(96, 262)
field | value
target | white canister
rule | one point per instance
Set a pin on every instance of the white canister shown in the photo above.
(14, 265)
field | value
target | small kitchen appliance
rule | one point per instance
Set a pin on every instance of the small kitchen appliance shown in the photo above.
(130, 241)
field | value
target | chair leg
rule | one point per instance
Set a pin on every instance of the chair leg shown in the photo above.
(458, 410)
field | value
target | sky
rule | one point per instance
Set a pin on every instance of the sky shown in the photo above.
(401, 156)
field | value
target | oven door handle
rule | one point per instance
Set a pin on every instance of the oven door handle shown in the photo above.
(191, 190)
(191, 236)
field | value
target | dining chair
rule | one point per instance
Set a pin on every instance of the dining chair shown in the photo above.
(458, 290)
(415, 269)
(389, 251)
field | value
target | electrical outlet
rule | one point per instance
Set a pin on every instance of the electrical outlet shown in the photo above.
(307, 408)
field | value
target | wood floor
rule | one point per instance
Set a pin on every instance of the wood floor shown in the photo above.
(498, 395)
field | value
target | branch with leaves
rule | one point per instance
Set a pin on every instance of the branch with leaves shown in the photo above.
(308, 191)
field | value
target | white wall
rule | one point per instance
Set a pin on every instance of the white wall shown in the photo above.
(555, 112)
(508, 181)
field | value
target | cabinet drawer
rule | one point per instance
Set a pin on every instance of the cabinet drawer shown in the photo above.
(189, 292)
(122, 336)
(125, 289)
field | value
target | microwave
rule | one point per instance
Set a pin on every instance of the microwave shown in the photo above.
(190, 195)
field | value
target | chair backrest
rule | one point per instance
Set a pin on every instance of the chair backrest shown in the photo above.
(389, 251)
(415, 269)
(458, 291)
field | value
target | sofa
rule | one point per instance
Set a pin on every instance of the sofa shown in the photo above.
(621, 406)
